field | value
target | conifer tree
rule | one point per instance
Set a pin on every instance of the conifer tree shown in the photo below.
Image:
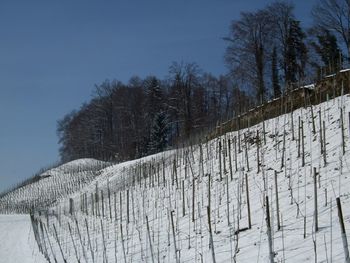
(328, 50)
(159, 133)
(296, 55)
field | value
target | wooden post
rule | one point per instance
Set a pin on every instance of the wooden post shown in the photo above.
(264, 133)
(80, 239)
(89, 240)
(268, 224)
(104, 243)
(173, 229)
(315, 200)
(92, 205)
(246, 151)
(349, 123)
(292, 120)
(86, 204)
(120, 206)
(257, 150)
(283, 148)
(321, 133)
(193, 198)
(248, 201)
(183, 199)
(239, 136)
(277, 203)
(343, 233)
(236, 161)
(115, 205)
(227, 200)
(220, 165)
(75, 248)
(164, 182)
(324, 144)
(48, 239)
(102, 204)
(299, 136)
(109, 200)
(302, 144)
(209, 189)
(313, 120)
(149, 239)
(97, 207)
(59, 244)
(342, 130)
(211, 236)
(42, 237)
(71, 206)
(127, 207)
(230, 158)
(122, 239)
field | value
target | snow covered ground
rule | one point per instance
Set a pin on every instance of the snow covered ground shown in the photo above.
(157, 209)
(17, 240)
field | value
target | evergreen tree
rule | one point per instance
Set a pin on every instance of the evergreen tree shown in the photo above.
(159, 133)
(296, 55)
(154, 100)
(275, 78)
(328, 49)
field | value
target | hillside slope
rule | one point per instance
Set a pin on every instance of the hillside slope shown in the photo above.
(191, 204)
(51, 186)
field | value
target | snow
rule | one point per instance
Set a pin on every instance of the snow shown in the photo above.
(79, 165)
(17, 240)
(310, 86)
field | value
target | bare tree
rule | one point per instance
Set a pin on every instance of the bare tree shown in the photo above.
(246, 53)
(185, 78)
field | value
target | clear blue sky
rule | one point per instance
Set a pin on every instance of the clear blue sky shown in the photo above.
(53, 52)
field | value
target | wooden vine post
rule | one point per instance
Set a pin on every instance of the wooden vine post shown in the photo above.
(315, 200)
(211, 236)
(343, 233)
(174, 238)
(268, 224)
(277, 203)
(149, 239)
(248, 202)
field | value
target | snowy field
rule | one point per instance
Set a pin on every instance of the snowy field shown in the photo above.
(17, 240)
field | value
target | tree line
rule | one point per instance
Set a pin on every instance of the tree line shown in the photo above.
(268, 53)
(145, 116)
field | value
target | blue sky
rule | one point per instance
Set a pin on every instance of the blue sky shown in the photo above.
(52, 53)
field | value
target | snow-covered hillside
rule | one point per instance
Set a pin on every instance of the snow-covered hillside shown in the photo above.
(193, 204)
(51, 185)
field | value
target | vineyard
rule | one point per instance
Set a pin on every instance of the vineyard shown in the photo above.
(274, 192)
(51, 186)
